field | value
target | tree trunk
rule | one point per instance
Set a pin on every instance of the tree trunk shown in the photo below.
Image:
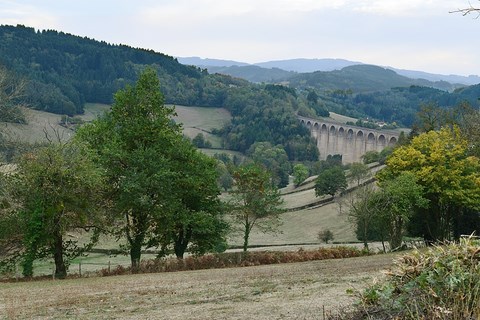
(60, 267)
(136, 251)
(135, 255)
(136, 239)
(245, 237)
(181, 243)
(396, 234)
(365, 236)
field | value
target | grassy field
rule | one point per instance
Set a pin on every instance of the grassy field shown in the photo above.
(39, 123)
(197, 120)
(193, 119)
(287, 291)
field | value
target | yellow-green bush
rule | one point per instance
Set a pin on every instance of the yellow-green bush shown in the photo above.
(441, 282)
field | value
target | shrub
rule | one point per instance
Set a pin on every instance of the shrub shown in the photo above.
(325, 235)
(442, 282)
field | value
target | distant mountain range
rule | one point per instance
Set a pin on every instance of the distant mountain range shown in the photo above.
(273, 71)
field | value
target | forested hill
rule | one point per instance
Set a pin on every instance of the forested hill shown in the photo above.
(65, 71)
(362, 78)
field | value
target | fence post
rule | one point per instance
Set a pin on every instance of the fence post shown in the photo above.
(108, 266)
(80, 268)
(53, 271)
(16, 272)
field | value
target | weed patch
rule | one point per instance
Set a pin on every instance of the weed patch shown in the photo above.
(442, 282)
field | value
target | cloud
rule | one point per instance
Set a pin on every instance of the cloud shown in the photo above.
(407, 7)
(13, 13)
(203, 10)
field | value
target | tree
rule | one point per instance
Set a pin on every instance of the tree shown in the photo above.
(12, 92)
(440, 162)
(466, 11)
(300, 173)
(398, 199)
(358, 172)
(370, 157)
(163, 189)
(256, 202)
(200, 142)
(325, 235)
(364, 212)
(135, 143)
(274, 158)
(225, 179)
(330, 182)
(57, 189)
(196, 220)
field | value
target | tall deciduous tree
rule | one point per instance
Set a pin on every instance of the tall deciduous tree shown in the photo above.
(398, 199)
(57, 189)
(196, 219)
(135, 142)
(11, 97)
(441, 163)
(363, 209)
(160, 185)
(256, 201)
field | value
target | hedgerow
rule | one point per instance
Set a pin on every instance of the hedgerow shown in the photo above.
(237, 259)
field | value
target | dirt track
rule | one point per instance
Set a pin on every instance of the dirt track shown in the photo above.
(287, 291)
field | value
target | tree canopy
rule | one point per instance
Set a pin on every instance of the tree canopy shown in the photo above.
(440, 162)
(330, 182)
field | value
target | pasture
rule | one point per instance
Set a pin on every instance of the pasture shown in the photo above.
(286, 291)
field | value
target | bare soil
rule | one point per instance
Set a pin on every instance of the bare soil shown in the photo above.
(288, 291)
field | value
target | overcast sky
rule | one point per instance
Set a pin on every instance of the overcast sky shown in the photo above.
(409, 34)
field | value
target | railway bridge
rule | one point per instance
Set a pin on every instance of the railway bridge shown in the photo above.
(352, 142)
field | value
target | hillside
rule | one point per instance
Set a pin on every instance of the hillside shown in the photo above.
(312, 65)
(361, 78)
(63, 72)
(254, 73)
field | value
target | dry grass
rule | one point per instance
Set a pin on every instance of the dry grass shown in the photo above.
(288, 291)
(38, 122)
(302, 227)
(197, 120)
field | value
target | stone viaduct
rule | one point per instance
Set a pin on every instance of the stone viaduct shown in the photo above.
(351, 142)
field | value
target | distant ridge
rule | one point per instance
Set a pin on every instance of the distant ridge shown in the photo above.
(303, 65)
(206, 62)
(308, 65)
(470, 80)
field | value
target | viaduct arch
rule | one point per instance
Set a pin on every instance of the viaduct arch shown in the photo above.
(351, 142)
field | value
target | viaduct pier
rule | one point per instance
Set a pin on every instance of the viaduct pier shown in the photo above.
(351, 142)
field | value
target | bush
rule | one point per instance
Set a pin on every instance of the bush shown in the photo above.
(325, 235)
(440, 283)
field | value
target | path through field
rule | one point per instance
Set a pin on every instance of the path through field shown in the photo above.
(286, 291)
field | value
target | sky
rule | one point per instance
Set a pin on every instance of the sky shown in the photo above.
(408, 34)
